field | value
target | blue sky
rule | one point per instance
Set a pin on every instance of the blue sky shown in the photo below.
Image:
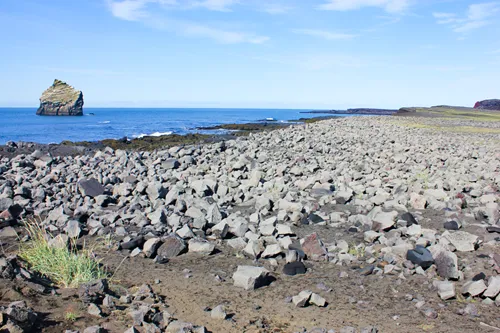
(252, 53)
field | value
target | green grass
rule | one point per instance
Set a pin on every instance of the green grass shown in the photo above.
(70, 316)
(66, 267)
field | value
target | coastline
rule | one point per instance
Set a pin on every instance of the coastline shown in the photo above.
(148, 143)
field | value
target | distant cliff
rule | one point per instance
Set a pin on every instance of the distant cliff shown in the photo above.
(489, 104)
(366, 111)
(61, 99)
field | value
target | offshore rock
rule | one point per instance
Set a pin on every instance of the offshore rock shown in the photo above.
(61, 99)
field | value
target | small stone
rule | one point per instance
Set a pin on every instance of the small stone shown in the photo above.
(94, 329)
(218, 313)
(317, 300)
(302, 298)
(451, 225)
(446, 290)
(409, 218)
(150, 247)
(94, 310)
(429, 313)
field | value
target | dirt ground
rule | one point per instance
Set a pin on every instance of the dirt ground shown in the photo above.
(190, 286)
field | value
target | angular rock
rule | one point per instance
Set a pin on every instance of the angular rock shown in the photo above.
(446, 290)
(172, 246)
(313, 247)
(493, 287)
(446, 262)
(463, 241)
(198, 245)
(302, 299)
(90, 187)
(317, 300)
(251, 277)
(474, 288)
(150, 247)
(218, 313)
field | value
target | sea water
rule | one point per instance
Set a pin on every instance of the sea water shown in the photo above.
(22, 124)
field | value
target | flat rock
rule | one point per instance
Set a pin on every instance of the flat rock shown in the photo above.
(462, 241)
(474, 288)
(493, 287)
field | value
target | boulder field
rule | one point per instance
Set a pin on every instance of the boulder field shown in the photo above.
(377, 197)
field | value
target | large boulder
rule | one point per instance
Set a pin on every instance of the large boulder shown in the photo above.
(488, 104)
(61, 99)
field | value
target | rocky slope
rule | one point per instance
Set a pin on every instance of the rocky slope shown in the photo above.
(61, 99)
(357, 224)
(489, 104)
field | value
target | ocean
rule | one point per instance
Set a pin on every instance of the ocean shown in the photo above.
(21, 124)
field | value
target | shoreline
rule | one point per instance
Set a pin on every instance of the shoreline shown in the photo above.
(149, 143)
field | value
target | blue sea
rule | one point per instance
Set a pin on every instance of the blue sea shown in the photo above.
(21, 124)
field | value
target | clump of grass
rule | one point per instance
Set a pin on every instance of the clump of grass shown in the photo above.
(70, 316)
(64, 266)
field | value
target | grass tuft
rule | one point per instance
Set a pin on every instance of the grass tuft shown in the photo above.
(64, 266)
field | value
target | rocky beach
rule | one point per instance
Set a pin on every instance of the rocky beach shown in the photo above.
(359, 224)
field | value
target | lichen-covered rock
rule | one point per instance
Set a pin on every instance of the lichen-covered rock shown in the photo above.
(61, 99)
(489, 104)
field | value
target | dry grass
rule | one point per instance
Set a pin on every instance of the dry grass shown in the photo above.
(64, 266)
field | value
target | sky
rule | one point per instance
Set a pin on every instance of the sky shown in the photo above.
(332, 54)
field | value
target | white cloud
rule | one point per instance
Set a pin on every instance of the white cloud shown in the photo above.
(477, 16)
(139, 11)
(215, 5)
(324, 34)
(391, 6)
(275, 8)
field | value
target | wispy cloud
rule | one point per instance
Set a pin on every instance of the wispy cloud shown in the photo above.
(216, 5)
(157, 17)
(477, 16)
(275, 8)
(329, 35)
(390, 6)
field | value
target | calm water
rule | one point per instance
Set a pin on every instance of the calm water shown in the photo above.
(21, 124)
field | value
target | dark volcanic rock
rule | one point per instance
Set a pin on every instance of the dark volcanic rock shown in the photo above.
(90, 187)
(61, 99)
(171, 247)
(409, 218)
(294, 268)
(420, 256)
(489, 104)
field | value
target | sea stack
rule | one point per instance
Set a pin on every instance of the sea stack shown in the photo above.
(61, 99)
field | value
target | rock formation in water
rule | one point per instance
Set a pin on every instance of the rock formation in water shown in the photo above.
(61, 99)
(489, 104)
